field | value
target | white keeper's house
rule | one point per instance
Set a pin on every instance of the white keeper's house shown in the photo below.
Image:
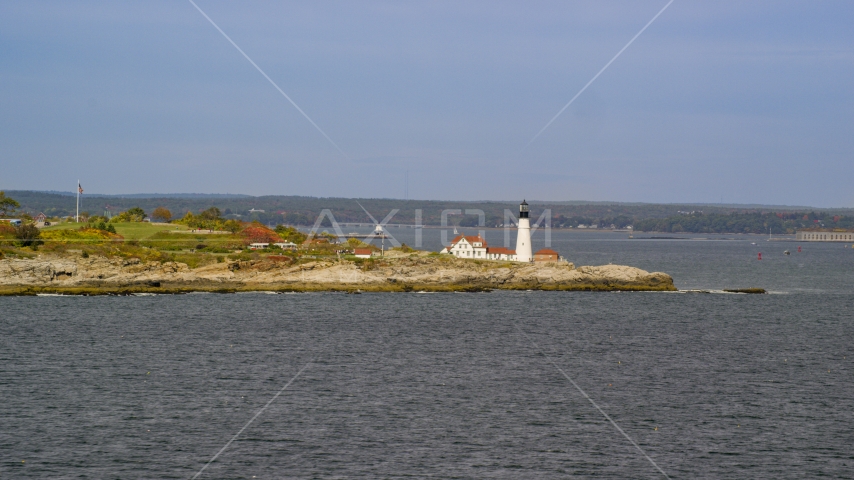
(474, 246)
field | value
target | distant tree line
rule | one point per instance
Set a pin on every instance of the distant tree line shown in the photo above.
(213, 213)
(298, 210)
(758, 222)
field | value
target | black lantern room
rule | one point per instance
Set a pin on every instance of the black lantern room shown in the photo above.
(523, 209)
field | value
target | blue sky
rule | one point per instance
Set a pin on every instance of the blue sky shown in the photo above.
(745, 102)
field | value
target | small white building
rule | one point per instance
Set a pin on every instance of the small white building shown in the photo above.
(286, 245)
(258, 246)
(363, 252)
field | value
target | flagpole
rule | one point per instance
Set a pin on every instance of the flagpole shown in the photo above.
(77, 219)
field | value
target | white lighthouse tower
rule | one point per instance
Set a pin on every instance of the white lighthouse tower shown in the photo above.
(523, 238)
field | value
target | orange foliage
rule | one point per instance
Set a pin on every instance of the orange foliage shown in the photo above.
(257, 233)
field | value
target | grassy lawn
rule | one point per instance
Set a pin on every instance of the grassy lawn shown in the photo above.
(129, 230)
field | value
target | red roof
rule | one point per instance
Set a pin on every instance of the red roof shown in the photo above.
(546, 251)
(362, 251)
(500, 251)
(469, 238)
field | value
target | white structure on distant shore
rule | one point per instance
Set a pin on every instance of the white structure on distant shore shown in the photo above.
(825, 235)
(475, 247)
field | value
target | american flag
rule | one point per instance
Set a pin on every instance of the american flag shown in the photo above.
(79, 188)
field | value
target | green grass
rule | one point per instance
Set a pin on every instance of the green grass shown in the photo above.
(141, 230)
(129, 230)
(211, 243)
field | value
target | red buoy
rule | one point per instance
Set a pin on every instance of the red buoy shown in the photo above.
(799, 248)
(760, 255)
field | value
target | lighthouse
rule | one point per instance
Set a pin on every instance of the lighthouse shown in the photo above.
(523, 238)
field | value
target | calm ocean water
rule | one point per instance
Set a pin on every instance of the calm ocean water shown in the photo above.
(447, 385)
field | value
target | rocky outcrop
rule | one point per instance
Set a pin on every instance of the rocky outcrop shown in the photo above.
(111, 275)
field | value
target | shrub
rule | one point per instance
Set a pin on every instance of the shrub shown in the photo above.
(291, 234)
(28, 235)
(356, 243)
(210, 220)
(232, 226)
(106, 227)
(134, 214)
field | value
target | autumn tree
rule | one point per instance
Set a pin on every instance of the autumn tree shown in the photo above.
(162, 214)
(257, 233)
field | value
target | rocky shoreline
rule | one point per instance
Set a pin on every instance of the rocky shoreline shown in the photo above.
(96, 275)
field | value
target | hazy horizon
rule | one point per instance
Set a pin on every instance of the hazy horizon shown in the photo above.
(727, 103)
(219, 195)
